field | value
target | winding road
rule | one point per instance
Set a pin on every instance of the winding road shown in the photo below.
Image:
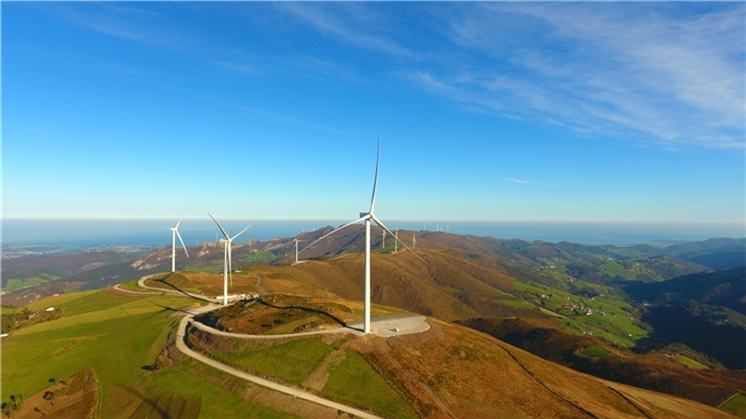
(385, 326)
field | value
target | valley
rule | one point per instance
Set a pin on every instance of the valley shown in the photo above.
(533, 318)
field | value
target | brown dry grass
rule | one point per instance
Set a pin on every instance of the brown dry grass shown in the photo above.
(477, 376)
(76, 400)
(398, 280)
(280, 314)
(652, 370)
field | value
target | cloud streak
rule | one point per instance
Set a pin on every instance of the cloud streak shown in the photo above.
(668, 75)
(527, 182)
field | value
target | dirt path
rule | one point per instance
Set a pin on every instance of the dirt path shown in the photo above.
(421, 384)
(318, 378)
(540, 383)
(301, 394)
(380, 326)
(262, 291)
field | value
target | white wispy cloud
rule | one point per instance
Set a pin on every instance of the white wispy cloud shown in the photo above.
(628, 70)
(350, 23)
(661, 74)
(527, 182)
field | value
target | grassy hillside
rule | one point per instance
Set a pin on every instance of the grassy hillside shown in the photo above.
(117, 336)
(448, 370)
(723, 288)
(125, 340)
(670, 371)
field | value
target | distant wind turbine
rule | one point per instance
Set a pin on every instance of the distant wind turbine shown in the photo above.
(174, 233)
(396, 241)
(383, 241)
(366, 217)
(228, 263)
(414, 240)
(296, 248)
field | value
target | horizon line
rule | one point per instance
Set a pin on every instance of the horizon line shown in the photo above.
(409, 220)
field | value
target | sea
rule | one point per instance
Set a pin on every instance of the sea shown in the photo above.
(95, 232)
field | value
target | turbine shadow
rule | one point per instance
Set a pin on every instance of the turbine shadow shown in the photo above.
(306, 309)
(146, 402)
(177, 289)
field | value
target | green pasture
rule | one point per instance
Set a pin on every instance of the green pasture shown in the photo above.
(192, 379)
(8, 309)
(613, 326)
(134, 286)
(113, 334)
(291, 362)
(735, 405)
(15, 284)
(596, 351)
(690, 363)
(355, 381)
(117, 336)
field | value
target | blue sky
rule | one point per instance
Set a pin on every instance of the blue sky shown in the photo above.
(487, 111)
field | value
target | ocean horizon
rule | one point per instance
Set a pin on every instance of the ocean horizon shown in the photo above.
(81, 233)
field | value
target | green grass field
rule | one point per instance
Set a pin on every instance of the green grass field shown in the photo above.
(291, 362)
(735, 405)
(690, 363)
(614, 325)
(134, 286)
(355, 381)
(8, 309)
(117, 336)
(114, 335)
(15, 284)
(596, 351)
(190, 379)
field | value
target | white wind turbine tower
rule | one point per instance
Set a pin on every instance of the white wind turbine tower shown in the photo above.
(296, 248)
(414, 240)
(383, 241)
(174, 233)
(366, 217)
(396, 241)
(228, 263)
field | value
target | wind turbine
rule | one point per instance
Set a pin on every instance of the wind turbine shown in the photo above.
(383, 241)
(396, 241)
(366, 216)
(414, 240)
(296, 248)
(228, 263)
(174, 233)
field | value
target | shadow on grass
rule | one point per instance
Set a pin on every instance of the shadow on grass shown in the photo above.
(306, 309)
(177, 289)
(147, 404)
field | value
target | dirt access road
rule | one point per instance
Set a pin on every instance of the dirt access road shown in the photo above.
(385, 326)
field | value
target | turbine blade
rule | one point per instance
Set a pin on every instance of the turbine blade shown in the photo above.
(380, 224)
(219, 226)
(182, 242)
(247, 227)
(375, 182)
(333, 231)
(182, 217)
